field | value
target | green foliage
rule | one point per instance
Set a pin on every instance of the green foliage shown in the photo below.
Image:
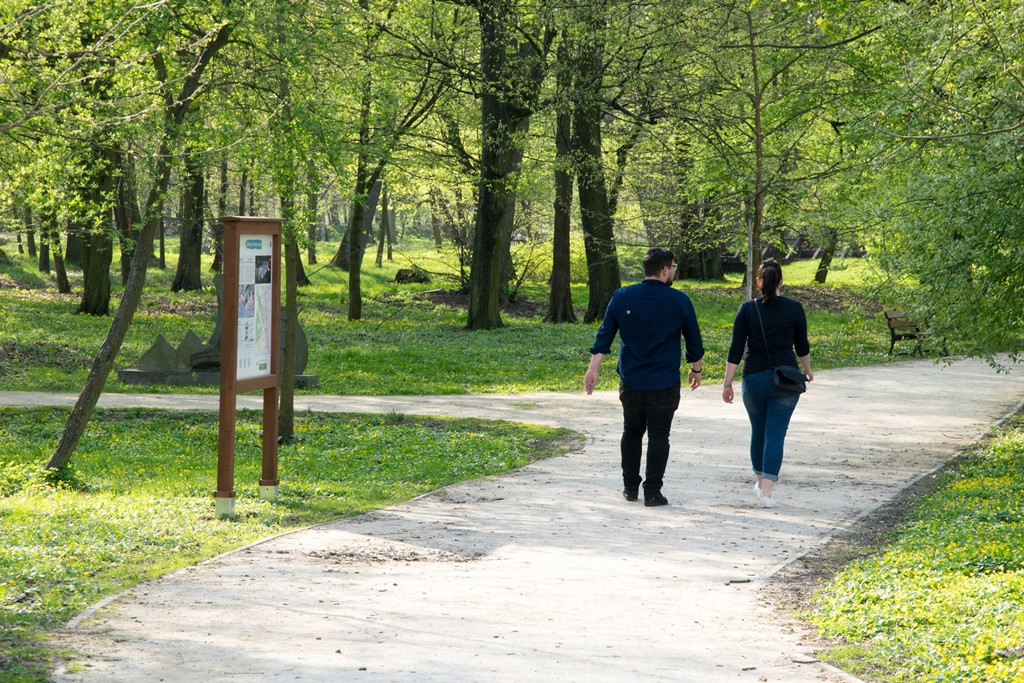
(947, 203)
(140, 503)
(942, 601)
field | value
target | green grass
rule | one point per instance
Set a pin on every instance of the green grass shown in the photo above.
(406, 343)
(137, 503)
(943, 601)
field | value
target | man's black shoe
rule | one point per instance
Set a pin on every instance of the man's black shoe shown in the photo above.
(631, 493)
(654, 499)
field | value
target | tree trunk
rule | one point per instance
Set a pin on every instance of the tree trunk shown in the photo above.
(30, 233)
(61, 272)
(560, 308)
(222, 210)
(595, 214)
(188, 276)
(128, 219)
(286, 410)
(598, 236)
(97, 255)
(97, 242)
(355, 248)
(74, 426)
(435, 220)
(313, 209)
(757, 219)
(359, 230)
(515, 162)
(161, 260)
(174, 113)
(54, 249)
(366, 182)
(698, 257)
(44, 249)
(511, 73)
(827, 254)
(389, 216)
(621, 159)
(72, 253)
(705, 264)
(341, 256)
(385, 229)
(243, 193)
(365, 231)
(485, 271)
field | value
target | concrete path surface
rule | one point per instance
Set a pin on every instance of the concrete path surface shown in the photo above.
(547, 574)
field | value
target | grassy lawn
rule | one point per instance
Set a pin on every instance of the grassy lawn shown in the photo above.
(137, 503)
(411, 339)
(942, 600)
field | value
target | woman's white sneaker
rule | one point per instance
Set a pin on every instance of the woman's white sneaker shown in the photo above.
(767, 502)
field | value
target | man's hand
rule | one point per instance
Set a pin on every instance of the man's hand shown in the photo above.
(593, 372)
(694, 379)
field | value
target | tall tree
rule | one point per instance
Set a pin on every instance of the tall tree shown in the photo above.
(387, 111)
(188, 275)
(514, 49)
(765, 77)
(70, 86)
(588, 58)
(176, 104)
(560, 308)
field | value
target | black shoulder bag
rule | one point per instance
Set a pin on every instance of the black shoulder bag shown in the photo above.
(787, 379)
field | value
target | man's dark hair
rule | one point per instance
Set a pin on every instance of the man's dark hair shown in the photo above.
(657, 258)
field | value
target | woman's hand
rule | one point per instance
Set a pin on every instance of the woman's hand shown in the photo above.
(730, 374)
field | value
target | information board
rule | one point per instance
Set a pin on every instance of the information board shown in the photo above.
(255, 305)
(250, 350)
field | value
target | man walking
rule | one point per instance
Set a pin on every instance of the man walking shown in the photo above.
(651, 319)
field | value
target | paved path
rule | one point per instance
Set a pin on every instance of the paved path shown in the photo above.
(547, 573)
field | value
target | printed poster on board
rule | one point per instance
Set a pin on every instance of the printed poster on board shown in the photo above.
(255, 265)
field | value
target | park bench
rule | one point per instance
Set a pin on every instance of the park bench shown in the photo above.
(902, 327)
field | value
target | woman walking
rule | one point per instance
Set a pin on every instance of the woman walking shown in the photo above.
(771, 328)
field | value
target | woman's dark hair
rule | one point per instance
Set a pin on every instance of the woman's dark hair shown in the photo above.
(770, 274)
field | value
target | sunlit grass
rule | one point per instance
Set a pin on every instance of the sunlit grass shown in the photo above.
(407, 344)
(943, 601)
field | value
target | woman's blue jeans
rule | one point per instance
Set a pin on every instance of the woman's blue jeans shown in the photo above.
(650, 412)
(769, 412)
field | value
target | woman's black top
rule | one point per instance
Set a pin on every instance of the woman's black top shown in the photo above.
(785, 326)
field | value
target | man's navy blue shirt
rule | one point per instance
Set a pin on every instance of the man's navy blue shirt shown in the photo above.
(651, 319)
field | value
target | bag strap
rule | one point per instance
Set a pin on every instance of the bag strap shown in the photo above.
(764, 335)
